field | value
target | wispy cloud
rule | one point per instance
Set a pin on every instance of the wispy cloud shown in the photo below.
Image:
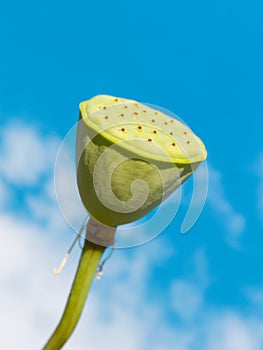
(25, 154)
(120, 310)
(187, 295)
(231, 331)
(118, 307)
(255, 296)
(233, 221)
(5, 194)
(207, 189)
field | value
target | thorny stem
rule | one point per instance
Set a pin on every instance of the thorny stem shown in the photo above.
(86, 270)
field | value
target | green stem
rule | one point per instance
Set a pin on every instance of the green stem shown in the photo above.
(88, 263)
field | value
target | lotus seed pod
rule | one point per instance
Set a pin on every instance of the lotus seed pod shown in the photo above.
(130, 157)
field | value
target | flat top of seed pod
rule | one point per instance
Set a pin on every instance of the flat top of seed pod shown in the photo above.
(142, 130)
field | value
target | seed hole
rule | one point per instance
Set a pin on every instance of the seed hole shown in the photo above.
(154, 131)
(150, 140)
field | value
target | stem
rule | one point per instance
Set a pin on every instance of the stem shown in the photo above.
(88, 263)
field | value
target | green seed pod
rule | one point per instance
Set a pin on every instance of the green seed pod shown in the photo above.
(130, 157)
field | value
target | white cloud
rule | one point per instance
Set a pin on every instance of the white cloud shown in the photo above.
(255, 296)
(233, 221)
(206, 187)
(33, 298)
(119, 312)
(231, 331)
(187, 295)
(26, 259)
(186, 298)
(5, 194)
(66, 188)
(25, 155)
(30, 249)
(28, 159)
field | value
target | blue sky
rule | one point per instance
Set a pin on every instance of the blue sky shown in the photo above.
(201, 60)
